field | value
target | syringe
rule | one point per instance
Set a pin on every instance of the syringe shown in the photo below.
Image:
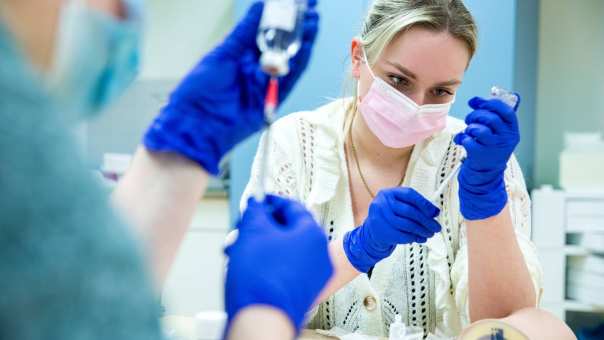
(497, 92)
(270, 107)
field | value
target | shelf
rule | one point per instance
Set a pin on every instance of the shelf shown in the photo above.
(571, 305)
(576, 250)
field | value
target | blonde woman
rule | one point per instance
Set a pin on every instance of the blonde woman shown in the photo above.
(368, 166)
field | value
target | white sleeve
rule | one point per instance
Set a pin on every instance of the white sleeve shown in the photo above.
(282, 169)
(520, 208)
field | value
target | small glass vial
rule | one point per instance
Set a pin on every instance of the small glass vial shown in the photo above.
(280, 34)
(504, 95)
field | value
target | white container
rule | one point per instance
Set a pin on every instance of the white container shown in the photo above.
(582, 162)
(280, 34)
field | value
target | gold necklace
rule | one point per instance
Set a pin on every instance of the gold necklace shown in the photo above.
(356, 160)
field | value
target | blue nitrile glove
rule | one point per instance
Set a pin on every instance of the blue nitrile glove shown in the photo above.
(396, 216)
(221, 102)
(280, 259)
(490, 138)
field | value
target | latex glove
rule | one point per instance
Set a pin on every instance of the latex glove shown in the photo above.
(396, 216)
(280, 259)
(490, 138)
(221, 101)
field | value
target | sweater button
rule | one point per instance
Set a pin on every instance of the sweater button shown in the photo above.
(370, 303)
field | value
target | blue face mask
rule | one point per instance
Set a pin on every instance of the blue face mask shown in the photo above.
(97, 56)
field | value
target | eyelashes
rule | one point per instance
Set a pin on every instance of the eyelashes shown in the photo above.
(442, 92)
(401, 83)
(398, 81)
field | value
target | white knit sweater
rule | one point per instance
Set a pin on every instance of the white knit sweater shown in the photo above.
(426, 284)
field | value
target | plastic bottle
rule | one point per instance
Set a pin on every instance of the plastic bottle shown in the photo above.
(280, 34)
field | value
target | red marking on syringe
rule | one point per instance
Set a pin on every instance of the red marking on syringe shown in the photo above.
(271, 101)
(270, 106)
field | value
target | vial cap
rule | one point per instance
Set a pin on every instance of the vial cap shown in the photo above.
(274, 63)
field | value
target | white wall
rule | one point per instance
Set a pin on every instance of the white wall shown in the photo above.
(570, 78)
(178, 33)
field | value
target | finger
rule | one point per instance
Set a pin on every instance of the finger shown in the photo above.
(506, 112)
(300, 61)
(482, 134)
(459, 138)
(463, 139)
(415, 228)
(251, 68)
(493, 121)
(276, 202)
(476, 103)
(429, 224)
(410, 196)
(311, 26)
(243, 36)
(468, 143)
(255, 80)
(228, 250)
(298, 65)
(311, 29)
(408, 238)
(421, 240)
(411, 213)
(273, 204)
(254, 217)
(291, 213)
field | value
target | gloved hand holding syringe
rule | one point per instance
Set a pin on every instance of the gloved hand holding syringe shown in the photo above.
(509, 98)
(279, 39)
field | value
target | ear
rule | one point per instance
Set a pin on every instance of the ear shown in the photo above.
(356, 54)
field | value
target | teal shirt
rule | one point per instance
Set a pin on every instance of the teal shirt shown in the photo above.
(69, 269)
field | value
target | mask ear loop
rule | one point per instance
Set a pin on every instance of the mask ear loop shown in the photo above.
(348, 125)
(367, 63)
(419, 107)
(395, 91)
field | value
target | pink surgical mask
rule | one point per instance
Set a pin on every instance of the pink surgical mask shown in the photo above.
(395, 119)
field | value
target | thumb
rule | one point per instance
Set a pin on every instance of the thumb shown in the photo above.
(243, 36)
(255, 217)
(291, 214)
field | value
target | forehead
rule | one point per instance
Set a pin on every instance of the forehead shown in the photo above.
(429, 54)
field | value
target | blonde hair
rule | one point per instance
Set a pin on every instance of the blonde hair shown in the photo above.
(389, 18)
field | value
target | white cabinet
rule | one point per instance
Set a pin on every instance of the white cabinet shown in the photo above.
(195, 282)
(563, 225)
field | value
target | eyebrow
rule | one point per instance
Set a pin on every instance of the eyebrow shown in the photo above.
(403, 70)
(451, 82)
(412, 75)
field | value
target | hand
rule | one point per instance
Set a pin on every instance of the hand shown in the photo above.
(490, 138)
(221, 102)
(280, 259)
(396, 216)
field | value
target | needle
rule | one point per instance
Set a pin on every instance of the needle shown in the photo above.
(270, 107)
(507, 97)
